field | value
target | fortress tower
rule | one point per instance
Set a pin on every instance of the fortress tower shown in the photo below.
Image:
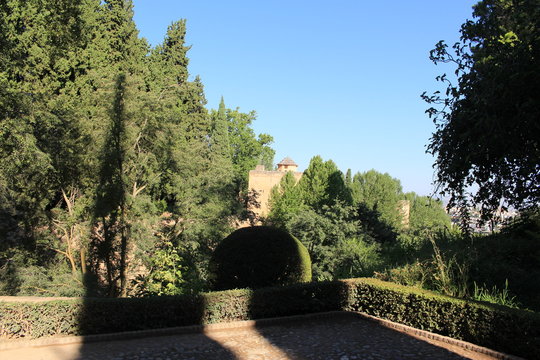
(287, 164)
(262, 181)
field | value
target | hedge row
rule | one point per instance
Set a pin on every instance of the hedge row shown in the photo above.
(497, 327)
(508, 330)
(86, 316)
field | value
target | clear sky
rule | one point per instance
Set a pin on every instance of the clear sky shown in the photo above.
(341, 79)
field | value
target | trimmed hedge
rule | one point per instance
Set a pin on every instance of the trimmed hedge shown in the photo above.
(497, 327)
(500, 328)
(259, 256)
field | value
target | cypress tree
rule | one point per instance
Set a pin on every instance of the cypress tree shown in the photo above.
(126, 165)
(221, 166)
(220, 133)
(348, 178)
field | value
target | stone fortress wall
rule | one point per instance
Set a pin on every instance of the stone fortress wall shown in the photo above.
(262, 181)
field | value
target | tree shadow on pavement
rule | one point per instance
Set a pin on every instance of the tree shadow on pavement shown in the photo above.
(348, 336)
(331, 334)
(138, 314)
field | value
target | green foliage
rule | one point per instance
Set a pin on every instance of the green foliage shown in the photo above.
(347, 240)
(257, 257)
(411, 274)
(357, 258)
(497, 327)
(426, 217)
(165, 274)
(21, 275)
(285, 200)
(512, 255)
(373, 225)
(450, 276)
(378, 193)
(455, 264)
(487, 131)
(99, 135)
(322, 184)
(445, 271)
(321, 236)
(52, 280)
(427, 213)
(495, 296)
(334, 241)
(248, 150)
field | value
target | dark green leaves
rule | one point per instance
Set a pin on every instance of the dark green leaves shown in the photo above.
(487, 128)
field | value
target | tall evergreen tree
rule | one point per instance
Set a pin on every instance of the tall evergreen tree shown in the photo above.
(220, 132)
(192, 150)
(43, 140)
(183, 138)
(322, 184)
(348, 179)
(111, 195)
(221, 166)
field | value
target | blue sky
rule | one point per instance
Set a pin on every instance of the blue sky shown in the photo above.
(341, 79)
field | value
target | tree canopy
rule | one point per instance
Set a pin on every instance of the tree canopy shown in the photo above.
(110, 162)
(487, 134)
(346, 221)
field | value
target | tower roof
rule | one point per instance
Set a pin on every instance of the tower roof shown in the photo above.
(287, 161)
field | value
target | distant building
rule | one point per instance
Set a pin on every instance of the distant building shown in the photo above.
(499, 219)
(262, 181)
(404, 208)
(287, 164)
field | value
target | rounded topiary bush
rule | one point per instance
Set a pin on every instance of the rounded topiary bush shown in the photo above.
(259, 256)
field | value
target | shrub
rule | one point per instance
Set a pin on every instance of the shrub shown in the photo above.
(463, 266)
(259, 256)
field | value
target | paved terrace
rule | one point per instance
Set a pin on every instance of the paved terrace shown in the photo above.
(336, 335)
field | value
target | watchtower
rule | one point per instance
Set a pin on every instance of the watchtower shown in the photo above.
(287, 164)
(262, 181)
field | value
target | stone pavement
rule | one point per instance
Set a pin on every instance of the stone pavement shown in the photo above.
(340, 336)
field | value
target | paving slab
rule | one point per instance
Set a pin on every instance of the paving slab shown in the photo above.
(340, 336)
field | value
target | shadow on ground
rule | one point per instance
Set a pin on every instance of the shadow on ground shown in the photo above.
(143, 314)
(347, 337)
